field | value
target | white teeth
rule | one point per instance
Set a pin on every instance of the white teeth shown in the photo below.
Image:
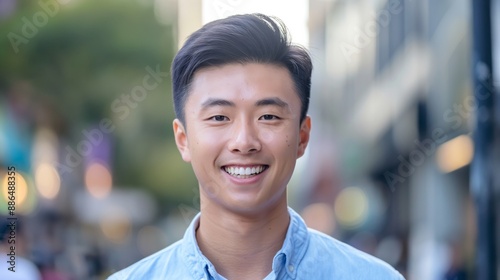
(242, 171)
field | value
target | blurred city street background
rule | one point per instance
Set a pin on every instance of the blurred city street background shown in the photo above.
(393, 167)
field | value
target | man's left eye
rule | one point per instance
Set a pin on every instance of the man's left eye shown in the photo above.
(219, 118)
(269, 117)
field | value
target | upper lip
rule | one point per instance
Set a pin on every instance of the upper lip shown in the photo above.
(244, 164)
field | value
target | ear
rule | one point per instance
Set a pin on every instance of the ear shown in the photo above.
(304, 133)
(181, 140)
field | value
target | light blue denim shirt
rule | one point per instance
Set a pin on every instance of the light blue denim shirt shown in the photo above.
(306, 254)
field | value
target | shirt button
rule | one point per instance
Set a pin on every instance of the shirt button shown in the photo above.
(290, 267)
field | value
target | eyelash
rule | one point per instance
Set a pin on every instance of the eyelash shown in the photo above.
(217, 118)
(269, 115)
(214, 118)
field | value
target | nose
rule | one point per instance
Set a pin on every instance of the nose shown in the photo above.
(244, 139)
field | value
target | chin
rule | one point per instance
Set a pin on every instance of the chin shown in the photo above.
(246, 208)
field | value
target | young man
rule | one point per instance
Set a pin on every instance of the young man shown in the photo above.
(241, 93)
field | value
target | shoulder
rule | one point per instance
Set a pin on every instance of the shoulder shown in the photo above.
(154, 266)
(345, 260)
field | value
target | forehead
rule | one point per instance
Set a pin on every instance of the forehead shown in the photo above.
(243, 81)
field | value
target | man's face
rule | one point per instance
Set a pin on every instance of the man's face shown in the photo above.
(242, 135)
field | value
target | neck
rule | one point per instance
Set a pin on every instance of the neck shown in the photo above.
(242, 247)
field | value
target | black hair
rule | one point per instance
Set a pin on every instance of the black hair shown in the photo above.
(240, 39)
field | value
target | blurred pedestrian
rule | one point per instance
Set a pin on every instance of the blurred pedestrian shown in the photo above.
(13, 264)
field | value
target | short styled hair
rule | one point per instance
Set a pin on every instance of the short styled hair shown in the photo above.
(240, 39)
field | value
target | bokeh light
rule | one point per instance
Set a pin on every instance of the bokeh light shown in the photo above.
(115, 225)
(45, 145)
(455, 154)
(47, 180)
(351, 207)
(25, 194)
(319, 216)
(98, 180)
(20, 191)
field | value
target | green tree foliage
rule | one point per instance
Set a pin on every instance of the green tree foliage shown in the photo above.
(87, 55)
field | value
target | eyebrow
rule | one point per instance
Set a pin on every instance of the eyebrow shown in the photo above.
(273, 101)
(213, 102)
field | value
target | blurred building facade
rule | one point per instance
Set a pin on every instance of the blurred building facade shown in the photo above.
(393, 79)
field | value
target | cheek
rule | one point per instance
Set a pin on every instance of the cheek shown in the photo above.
(278, 134)
(205, 149)
(267, 136)
(280, 140)
(204, 142)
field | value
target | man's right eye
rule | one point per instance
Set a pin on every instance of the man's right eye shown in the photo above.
(219, 118)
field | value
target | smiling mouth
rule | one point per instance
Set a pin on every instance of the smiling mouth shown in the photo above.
(244, 172)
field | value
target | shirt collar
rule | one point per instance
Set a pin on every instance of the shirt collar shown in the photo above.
(294, 247)
(286, 260)
(199, 265)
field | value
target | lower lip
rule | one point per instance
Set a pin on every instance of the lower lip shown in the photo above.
(245, 181)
